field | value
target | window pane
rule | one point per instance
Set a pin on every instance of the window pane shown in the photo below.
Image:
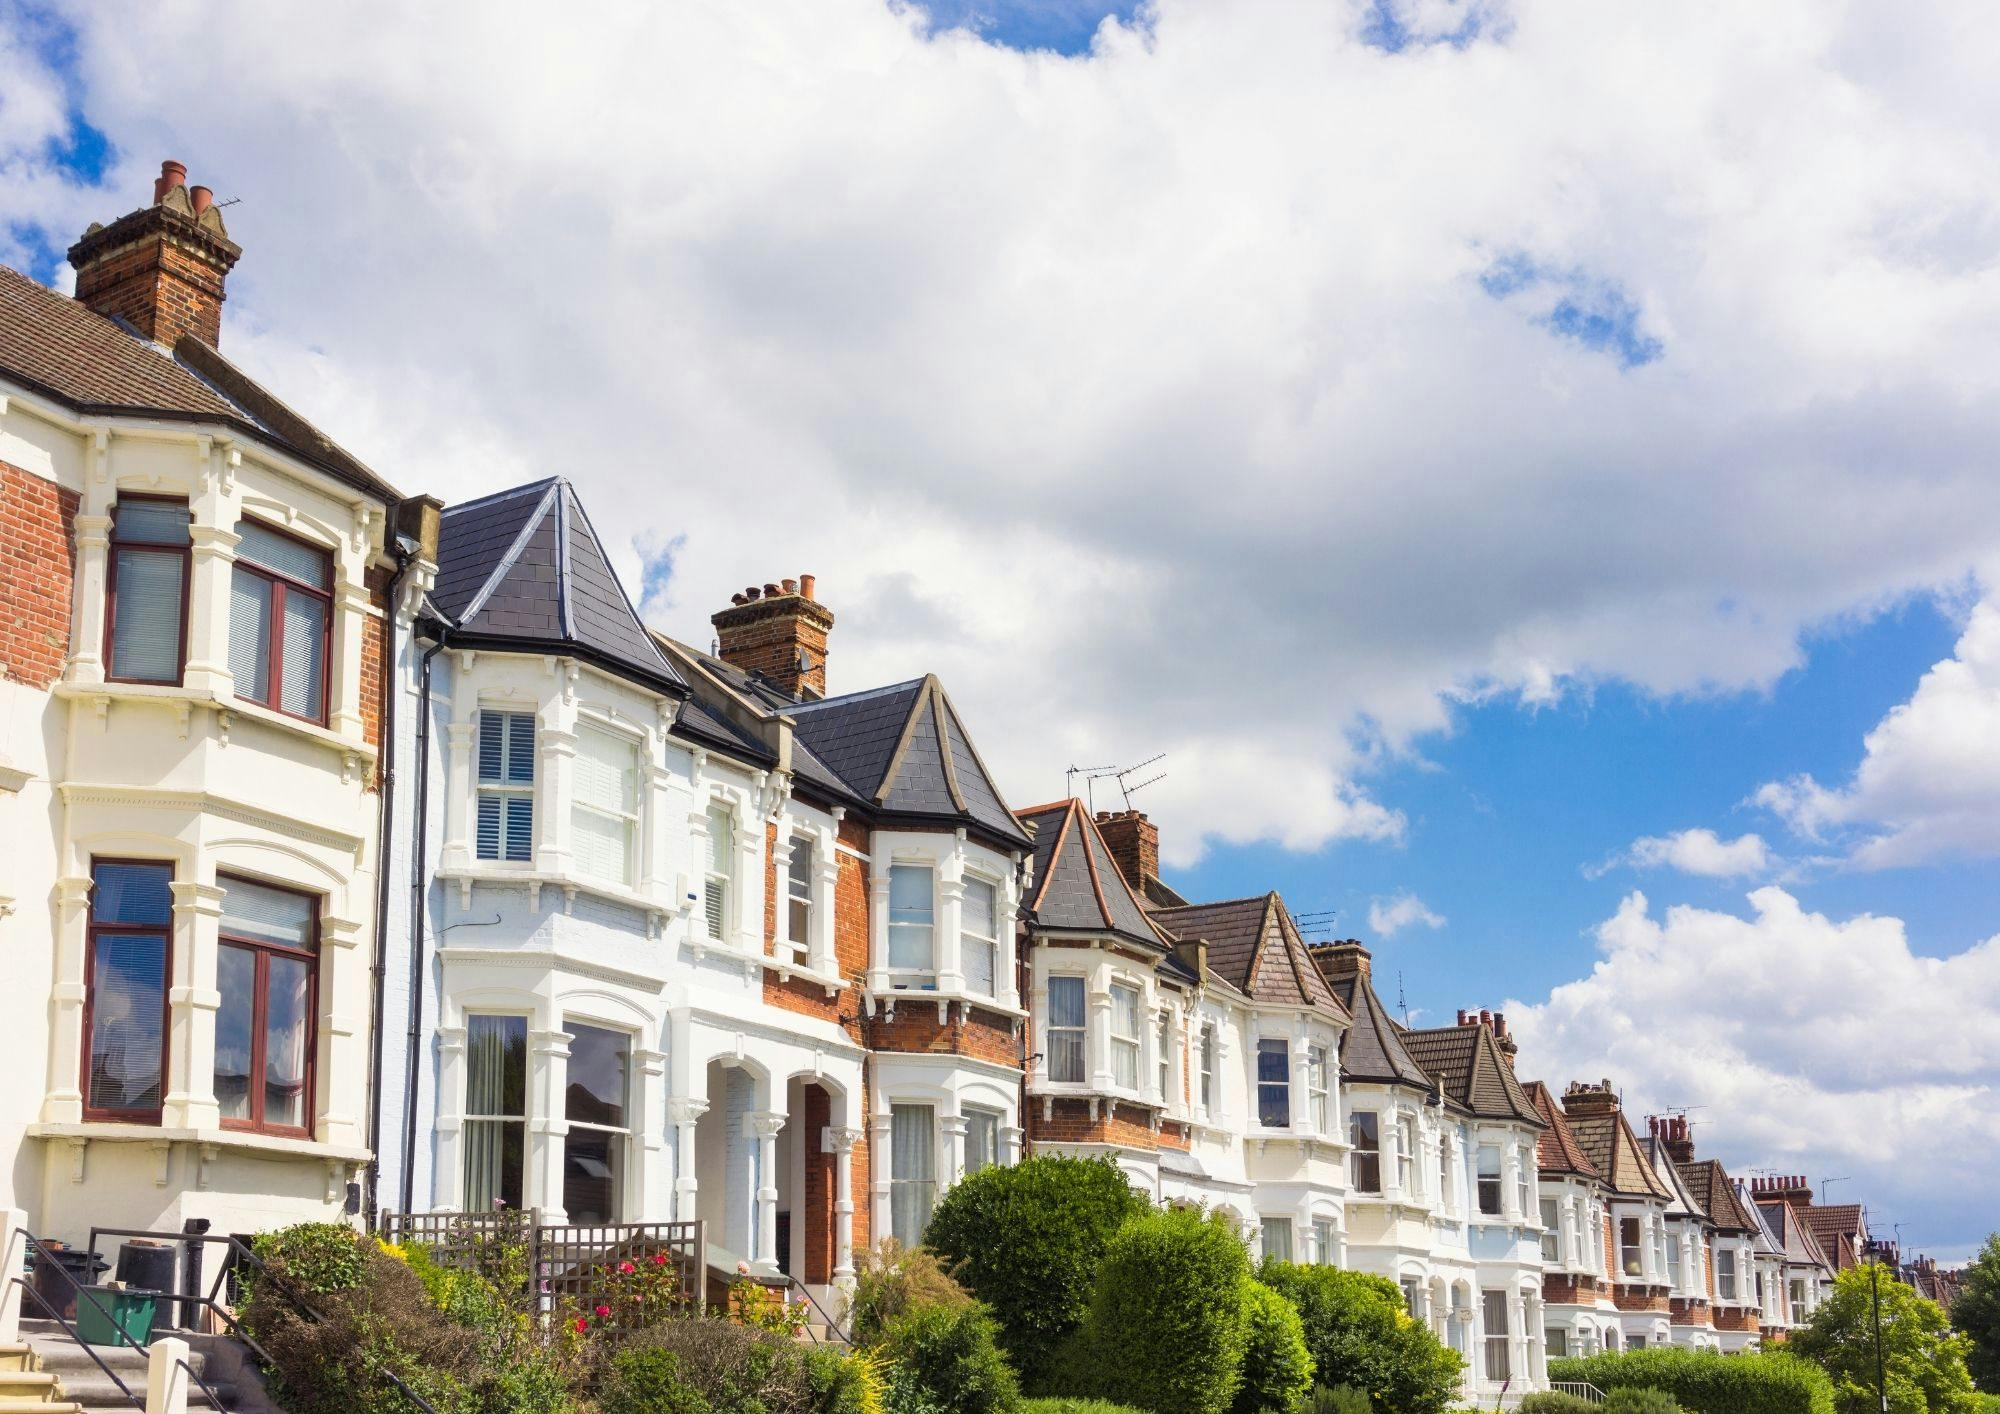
(606, 767)
(250, 635)
(721, 835)
(910, 893)
(493, 1153)
(132, 893)
(1065, 1030)
(1278, 1239)
(593, 1168)
(981, 908)
(715, 906)
(507, 748)
(596, 1093)
(261, 546)
(146, 617)
(1065, 1001)
(151, 522)
(982, 1139)
(799, 870)
(128, 991)
(1364, 1133)
(496, 1059)
(263, 914)
(979, 966)
(1274, 1091)
(287, 1027)
(912, 1169)
(235, 1030)
(304, 656)
(602, 845)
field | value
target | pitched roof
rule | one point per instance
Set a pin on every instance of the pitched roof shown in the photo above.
(904, 750)
(1254, 946)
(1715, 1190)
(524, 571)
(1613, 1149)
(1077, 882)
(1831, 1224)
(1475, 1071)
(1794, 1233)
(1684, 1203)
(1557, 1150)
(1372, 1049)
(66, 351)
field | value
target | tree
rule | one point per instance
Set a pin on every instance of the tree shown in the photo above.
(1976, 1314)
(1026, 1240)
(1360, 1335)
(1924, 1359)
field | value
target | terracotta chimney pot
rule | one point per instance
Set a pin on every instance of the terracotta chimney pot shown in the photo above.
(202, 198)
(791, 586)
(806, 583)
(172, 174)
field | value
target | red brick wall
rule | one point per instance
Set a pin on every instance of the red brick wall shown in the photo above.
(1069, 1122)
(1640, 1298)
(981, 1035)
(37, 570)
(1690, 1313)
(850, 937)
(1570, 1289)
(1736, 1318)
(164, 289)
(818, 1217)
(375, 659)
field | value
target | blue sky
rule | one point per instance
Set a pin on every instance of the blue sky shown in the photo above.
(1460, 487)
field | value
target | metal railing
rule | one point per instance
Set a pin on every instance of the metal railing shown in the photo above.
(826, 1316)
(1578, 1389)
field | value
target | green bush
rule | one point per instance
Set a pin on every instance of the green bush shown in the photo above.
(1064, 1405)
(318, 1258)
(1555, 1402)
(1026, 1240)
(951, 1353)
(1361, 1335)
(1277, 1367)
(1165, 1327)
(1707, 1382)
(1341, 1399)
(647, 1380)
(714, 1365)
(1633, 1400)
(893, 1279)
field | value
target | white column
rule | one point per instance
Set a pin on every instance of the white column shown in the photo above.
(656, 786)
(167, 1376)
(1098, 1036)
(749, 881)
(840, 1143)
(878, 923)
(950, 913)
(951, 1128)
(1010, 1143)
(343, 1038)
(1297, 1056)
(683, 1114)
(448, 1183)
(13, 1267)
(826, 891)
(879, 1159)
(459, 808)
(648, 1195)
(192, 1002)
(556, 750)
(764, 1127)
(782, 845)
(212, 558)
(64, 1102)
(353, 619)
(1005, 985)
(548, 1125)
(86, 659)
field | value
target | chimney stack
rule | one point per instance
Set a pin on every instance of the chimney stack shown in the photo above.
(1673, 1131)
(1339, 961)
(160, 268)
(1134, 842)
(1583, 1098)
(779, 632)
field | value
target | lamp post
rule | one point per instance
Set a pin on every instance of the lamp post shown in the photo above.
(1875, 1298)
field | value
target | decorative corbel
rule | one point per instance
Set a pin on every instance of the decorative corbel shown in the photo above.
(162, 1157)
(183, 710)
(100, 455)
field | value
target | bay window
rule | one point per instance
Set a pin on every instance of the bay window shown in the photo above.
(1493, 1306)
(912, 1171)
(1631, 1256)
(280, 621)
(128, 950)
(505, 824)
(1277, 1239)
(1489, 1180)
(1551, 1232)
(912, 920)
(798, 896)
(979, 936)
(604, 804)
(265, 972)
(1406, 1156)
(716, 875)
(1164, 1042)
(982, 1139)
(1124, 1036)
(145, 620)
(595, 1104)
(1274, 1083)
(1066, 1030)
(1725, 1272)
(496, 1111)
(1364, 1137)
(1524, 1182)
(1317, 1089)
(1208, 1068)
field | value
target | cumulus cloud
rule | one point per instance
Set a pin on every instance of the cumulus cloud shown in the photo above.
(1389, 916)
(1928, 786)
(1161, 399)
(1698, 851)
(1817, 1045)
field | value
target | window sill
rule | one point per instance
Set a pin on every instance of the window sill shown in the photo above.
(184, 699)
(488, 871)
(892, 997)
(271, 1145)
(1111, 1094)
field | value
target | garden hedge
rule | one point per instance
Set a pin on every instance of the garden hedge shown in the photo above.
(1277, 1367)
(1707, 1382)
(1360, 1335)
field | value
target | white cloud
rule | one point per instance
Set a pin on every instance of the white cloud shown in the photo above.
(1154, 419)
(1928, 786)
(1810, 1044)
(1698, 851)
(1389, 916)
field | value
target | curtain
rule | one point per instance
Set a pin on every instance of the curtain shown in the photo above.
(912, 1170)
(496, 1083)
(1125, 1037)
(1278, 1239)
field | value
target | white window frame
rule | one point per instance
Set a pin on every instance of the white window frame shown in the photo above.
(719, 885)
(1551, 1232)
(1497, 1344)
(621, 1135)
(627, 817)
(1081, 1031)
(1283, 1047)
(926, 1181)
(1163, 1040)
(799, 893)
(1358, 1150)
(1317, 1089)
(1207, 1058)
(971, 940)
(506, 788)
(1406, 1155)
(1524, 1180)
(1498, 1178)
(1271, 1228)
(902, 975)
(1323, 1241)
(1726, 1280)
(986, 1124)
(1127, 1003)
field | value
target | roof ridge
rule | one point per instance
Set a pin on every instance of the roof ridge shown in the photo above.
(1055, 853)
(507, 561)
(492, 496)
(864, 695)
(572, 499)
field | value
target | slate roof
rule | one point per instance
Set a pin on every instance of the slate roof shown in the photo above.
(1557, 1149)
(1372, 1049)
(904, 750)
(1795, 1234)
(1767, 1235)
(1613, 1150)
(1475, 1071)
(1254, 946)
(67, 352)
(1715, 1190)
(1077, 883)
(1684, 1203)
(1832, 1224)
(524, 571)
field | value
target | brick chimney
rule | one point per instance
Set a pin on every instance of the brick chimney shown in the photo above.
(1673, 1131)
(1786, 1188)
(778, 632)
(1134, 842)
(1496, 1022)
(160, 268)
(1339, 961)
(1583, 1098)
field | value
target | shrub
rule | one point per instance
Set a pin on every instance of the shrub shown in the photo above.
(1341, 1399)
(1555, 1402)
(951, 1354)
(1707, 1382)
(892, 1280)
(1165, 1328)
(1061, 1405)
(1277, 1368)
(713, 1364)
(1633, 1400)
(847, 1383)
(1360, 1334)
(318, 1258)
(1026, 1240)
(647, 1380)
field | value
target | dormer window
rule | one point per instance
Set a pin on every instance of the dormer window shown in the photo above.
(912, 920)
(715, 886)
(280, 618)
(1065, 1030)
(505, 828)
(1124, 1036)
(146, 597)
(604, 805)
(979, 941)
(798, 895)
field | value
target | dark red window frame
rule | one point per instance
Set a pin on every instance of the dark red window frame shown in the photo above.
(93, 929)
(260, 1012)
(283, 584)
(186, 553)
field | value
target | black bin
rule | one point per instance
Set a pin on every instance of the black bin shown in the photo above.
(82, 1268)
(149, 1266)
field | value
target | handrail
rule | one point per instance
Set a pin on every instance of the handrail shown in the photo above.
(832, 1325)
(43, 1255)
(214, 1400)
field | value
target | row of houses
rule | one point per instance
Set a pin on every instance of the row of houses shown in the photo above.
(373, 854)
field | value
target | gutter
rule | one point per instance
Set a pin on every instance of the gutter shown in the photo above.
(419, 846)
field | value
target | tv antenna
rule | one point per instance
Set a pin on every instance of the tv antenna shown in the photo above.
(1089, 774)
(1402, 1002)
(1126, 787)
(1319, 922)
(1121, 774)
(1826, 1183)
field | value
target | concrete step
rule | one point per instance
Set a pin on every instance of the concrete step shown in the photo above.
(18, 1357)
(87, 1386)
(10, 1403)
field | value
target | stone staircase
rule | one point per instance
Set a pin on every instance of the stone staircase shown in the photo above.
(49, 1371)
(24, 1384)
